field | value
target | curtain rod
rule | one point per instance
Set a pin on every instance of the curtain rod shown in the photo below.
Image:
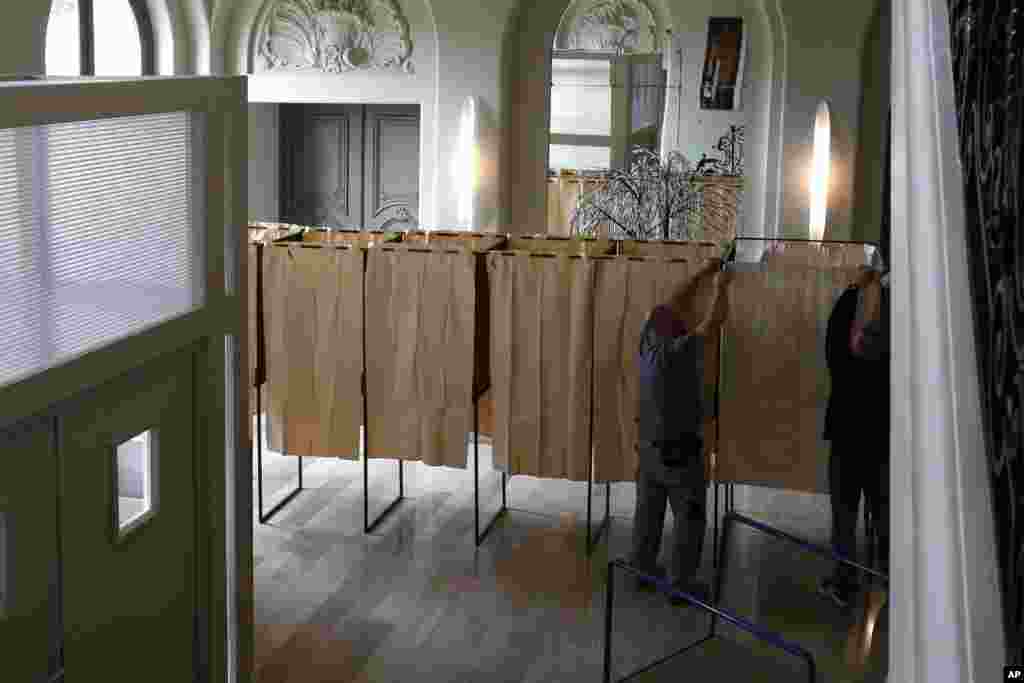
(810, 241)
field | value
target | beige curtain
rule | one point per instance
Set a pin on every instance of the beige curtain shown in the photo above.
(775, 380)
(420, 339)
(669, 250)
(313, 301)
(541, 361)
(338, 359)
(626, 290)
(560, 245)
(257, 234)
(779, 254)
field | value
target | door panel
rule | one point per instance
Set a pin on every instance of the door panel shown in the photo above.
(326, 178)
(129, 587)
(392, 166)
(29, 594)
(322, 164)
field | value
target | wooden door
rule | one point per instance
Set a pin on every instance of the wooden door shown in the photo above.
(128, 542)
(29, 582)
(392, 170)
(350, 166)
(322, 165)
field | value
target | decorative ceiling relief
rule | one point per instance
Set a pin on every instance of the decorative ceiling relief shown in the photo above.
(619, 26)
(335, 36)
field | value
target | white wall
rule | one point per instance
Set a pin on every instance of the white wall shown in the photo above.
(264, 162)
(826, 43)
(690, 129)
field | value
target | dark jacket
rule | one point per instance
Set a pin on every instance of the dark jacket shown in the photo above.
(858, 406)
(670, 365)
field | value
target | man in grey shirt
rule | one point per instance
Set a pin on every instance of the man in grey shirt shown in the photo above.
(670, 443)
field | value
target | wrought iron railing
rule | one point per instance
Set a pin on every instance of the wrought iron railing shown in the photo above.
(988, 49)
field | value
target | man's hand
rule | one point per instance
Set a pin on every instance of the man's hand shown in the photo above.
(723, 280)
(711, 266)
(872, 293)
(867, 276)
(682, 297)
(719, 310)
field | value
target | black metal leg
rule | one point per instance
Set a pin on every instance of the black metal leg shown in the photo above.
(716, 610)
(720, 571)
(714, 537)
(266, 517)
(607, 502)
(480, 535)
(259, 455)
(369, 526)
(590, 500)
(476, 475)
(593, 539)
(609, 599)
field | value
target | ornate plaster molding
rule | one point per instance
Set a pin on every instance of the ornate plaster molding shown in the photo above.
(620, 26)
(334, 36)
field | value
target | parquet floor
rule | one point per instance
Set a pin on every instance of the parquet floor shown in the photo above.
(417, 601)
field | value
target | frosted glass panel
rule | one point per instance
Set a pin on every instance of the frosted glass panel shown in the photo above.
(118, 47)
(580, 158)
(63, 40)
(101, 226)
(581, 97)
(136, 481)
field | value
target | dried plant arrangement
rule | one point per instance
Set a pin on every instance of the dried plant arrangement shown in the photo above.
(658, 200)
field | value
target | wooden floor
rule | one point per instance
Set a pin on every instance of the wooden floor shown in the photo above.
(417, 601)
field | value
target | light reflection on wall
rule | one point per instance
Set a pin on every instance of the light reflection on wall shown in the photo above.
(466, 164)
(820, 171)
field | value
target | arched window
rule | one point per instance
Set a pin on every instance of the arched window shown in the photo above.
(607, 95)
(99, 38)
(604, 51)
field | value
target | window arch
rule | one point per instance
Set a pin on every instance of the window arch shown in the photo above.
(599, 42)
(609, 26)
(100, 38)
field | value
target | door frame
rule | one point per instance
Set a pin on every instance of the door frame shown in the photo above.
(945, 613)
(219, 327)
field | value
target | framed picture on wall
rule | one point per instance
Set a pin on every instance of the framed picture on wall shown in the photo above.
(720, 80)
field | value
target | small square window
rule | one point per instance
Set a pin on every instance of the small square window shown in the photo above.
(136, 481)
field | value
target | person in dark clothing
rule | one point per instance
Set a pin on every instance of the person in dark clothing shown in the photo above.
(857, 424)
(670, 444)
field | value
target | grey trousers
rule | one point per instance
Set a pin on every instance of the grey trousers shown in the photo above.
(684, 486)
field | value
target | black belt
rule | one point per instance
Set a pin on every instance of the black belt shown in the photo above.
(672, 443)
(675, 452)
